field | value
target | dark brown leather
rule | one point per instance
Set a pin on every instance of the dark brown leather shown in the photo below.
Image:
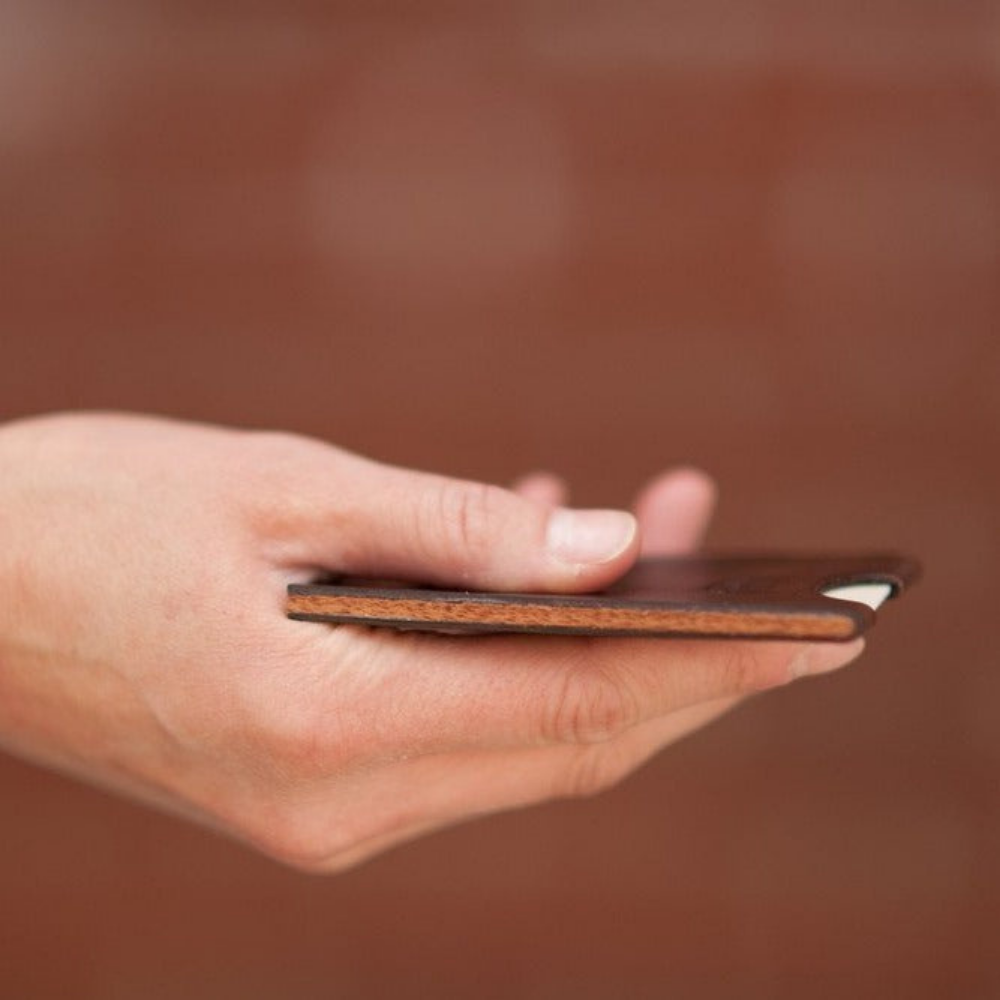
(725, 596)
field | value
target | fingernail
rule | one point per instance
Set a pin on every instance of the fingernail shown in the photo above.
(589, 536)
(821, 658)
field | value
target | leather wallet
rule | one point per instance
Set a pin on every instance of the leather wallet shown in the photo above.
(721, 596)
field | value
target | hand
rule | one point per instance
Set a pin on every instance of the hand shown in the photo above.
(143, 645)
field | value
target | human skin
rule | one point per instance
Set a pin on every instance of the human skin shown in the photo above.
(144, 648)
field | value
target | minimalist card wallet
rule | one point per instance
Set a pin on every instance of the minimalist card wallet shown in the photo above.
(832, 598)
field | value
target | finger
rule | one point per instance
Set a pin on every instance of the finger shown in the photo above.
(542, 487)
(420, 795)
(452, 693)
(674, 511)
(382, 521)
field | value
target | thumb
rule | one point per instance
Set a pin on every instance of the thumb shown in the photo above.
(389, 522)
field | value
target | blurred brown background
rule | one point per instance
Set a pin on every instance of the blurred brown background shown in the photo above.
(599, 237)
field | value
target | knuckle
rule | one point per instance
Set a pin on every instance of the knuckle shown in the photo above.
(268, 454)
(290, 835)
(594, 771)
(592, 707)
(302, 852)
(272, 476)
(299, 750)
(468, 513)
(273, 443)
(258, 472)
(751, 667)
(308, 746)
(297, 738)
(308, 832)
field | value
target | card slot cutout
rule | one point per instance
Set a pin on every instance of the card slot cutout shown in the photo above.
(872, 593)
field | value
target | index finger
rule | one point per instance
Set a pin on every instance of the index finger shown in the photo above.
(451, 692)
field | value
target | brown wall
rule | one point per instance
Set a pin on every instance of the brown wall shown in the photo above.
(601, 237)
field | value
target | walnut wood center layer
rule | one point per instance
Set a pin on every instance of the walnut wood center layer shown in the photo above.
(539, 617)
